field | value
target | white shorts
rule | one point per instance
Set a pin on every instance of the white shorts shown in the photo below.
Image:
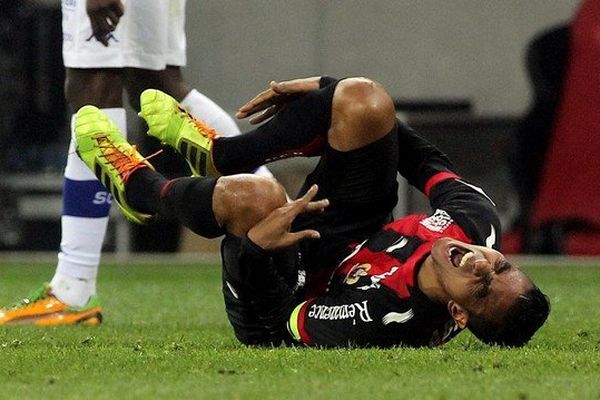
(150, 35)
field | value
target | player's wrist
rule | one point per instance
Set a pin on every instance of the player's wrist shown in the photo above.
(253, 247)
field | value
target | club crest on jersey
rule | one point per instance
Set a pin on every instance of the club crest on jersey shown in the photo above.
(356, 272)
(438, 222)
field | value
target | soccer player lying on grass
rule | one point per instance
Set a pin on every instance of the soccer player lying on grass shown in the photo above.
(330, 268)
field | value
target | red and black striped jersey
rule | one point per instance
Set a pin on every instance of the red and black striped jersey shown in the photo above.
(373, 298)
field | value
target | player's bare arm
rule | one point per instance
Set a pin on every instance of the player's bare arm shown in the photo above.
(273, 233)
(104, 17)
(270, 101)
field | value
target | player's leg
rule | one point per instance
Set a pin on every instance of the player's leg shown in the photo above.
(93, 76)
(352, 124)
(86, 204)
(171, 81)
(71, 295)
(343, 118)
(302, 128)
(344, 115)
(210, 207)
(357, 171)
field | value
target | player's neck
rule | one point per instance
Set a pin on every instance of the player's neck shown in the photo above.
(429, 283)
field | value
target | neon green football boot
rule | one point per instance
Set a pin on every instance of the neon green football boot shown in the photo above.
(103, 149)
(170, 123)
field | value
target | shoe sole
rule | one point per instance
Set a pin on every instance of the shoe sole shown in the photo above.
(89, 317)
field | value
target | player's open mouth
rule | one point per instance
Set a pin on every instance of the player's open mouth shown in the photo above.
(458, 257)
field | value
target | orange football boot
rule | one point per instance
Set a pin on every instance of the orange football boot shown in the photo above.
(42, 308)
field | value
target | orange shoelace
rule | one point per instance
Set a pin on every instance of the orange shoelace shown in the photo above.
(204, 129)
(124, 163)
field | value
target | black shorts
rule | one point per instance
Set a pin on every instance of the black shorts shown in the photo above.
(362, 189)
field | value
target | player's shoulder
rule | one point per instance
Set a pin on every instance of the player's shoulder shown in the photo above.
(428, 226)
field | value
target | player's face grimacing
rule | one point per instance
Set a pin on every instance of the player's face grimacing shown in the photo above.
(476, 279)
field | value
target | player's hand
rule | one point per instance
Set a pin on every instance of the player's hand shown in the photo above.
(104, 17)
(268, 102)
(273, 232)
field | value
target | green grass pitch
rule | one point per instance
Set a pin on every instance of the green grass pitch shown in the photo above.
(166, 336)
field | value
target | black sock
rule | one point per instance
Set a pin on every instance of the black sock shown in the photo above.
(143, 190)
(298, 130)
(188, 200)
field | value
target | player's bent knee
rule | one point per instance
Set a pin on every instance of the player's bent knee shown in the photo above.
(363, 112)
(241, 201)
(365, 101)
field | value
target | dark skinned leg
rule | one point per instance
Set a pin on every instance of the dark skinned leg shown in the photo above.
(170, 80)
(86, 203)
(100, 87)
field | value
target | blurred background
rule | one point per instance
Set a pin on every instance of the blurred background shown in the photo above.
(484, 80)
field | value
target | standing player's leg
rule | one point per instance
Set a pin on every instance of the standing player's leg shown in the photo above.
(86, 203)
(94, 76)
(71, 295)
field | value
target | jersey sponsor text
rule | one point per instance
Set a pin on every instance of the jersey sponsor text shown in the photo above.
(344, 311)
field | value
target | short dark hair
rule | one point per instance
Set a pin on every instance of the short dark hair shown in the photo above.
(518, 325)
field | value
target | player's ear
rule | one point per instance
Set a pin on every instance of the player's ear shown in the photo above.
(458, 313)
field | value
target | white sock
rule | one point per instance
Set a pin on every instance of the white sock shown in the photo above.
(210, 112)
(86, 205)
(72, 291)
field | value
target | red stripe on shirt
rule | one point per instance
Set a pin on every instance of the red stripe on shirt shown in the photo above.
(437, 178)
